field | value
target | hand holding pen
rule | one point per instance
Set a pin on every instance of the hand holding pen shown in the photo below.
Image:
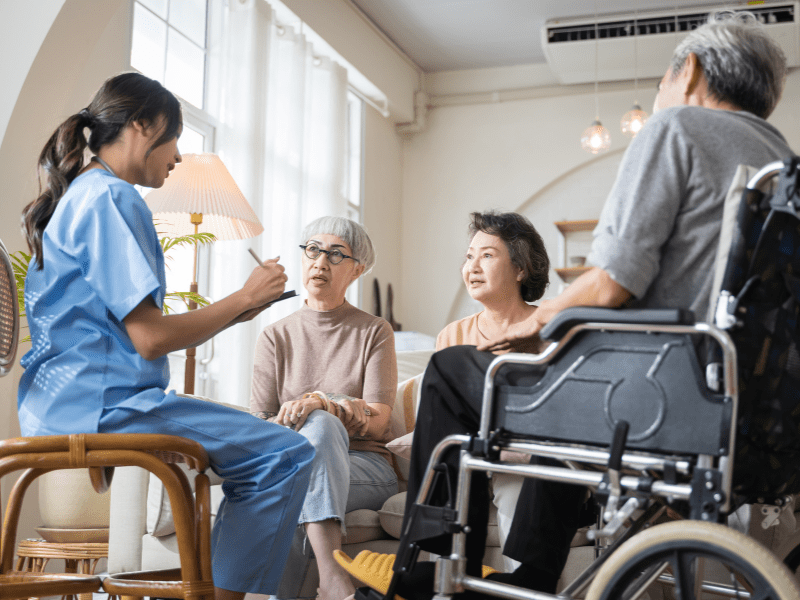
(267, 265)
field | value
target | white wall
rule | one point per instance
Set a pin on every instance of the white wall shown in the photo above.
(23, 28)
(383, 181)
(77, 44)
(500, 155)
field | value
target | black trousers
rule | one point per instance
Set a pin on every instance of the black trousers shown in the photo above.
(547, 515)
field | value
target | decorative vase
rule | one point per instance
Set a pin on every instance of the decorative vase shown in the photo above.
(70, 508)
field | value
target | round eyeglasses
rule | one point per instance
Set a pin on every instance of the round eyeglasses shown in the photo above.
(334, 256)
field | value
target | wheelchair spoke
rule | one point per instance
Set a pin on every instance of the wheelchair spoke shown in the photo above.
(685, 577)
(642, 584)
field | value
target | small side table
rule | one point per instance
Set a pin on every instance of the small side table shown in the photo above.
(79, 557)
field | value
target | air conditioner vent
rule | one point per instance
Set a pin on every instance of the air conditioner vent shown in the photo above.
(650, 26)
(569, 43)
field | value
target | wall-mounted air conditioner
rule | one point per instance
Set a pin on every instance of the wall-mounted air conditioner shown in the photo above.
(647, 40)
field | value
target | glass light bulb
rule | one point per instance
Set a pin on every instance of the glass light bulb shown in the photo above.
(596, 138)
(633, 121)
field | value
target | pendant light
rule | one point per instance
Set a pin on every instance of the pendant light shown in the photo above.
(596, 138)
(633, 120)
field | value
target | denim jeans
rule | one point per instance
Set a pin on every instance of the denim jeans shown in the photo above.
(342, 480)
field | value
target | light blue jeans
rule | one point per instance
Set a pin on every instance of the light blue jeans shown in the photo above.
(342, 480)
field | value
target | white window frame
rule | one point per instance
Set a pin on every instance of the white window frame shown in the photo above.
(206, 61)
(355, 208)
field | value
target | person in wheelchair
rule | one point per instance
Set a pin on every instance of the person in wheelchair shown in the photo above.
(654, 247)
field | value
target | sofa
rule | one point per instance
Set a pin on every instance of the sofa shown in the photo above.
(142, 535)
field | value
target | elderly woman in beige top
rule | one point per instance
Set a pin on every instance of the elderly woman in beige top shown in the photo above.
(329, 371)
(505, 267)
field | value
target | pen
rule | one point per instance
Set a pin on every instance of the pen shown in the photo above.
(258, 260)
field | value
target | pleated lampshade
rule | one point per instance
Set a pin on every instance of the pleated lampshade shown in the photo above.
(201, 184)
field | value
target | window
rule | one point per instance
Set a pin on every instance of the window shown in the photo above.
(169, 45)
(354, 163)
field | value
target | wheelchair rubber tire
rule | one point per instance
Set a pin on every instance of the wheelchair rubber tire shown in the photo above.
(698, 539)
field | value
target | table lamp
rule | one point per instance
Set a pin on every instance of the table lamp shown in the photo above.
(200, 196)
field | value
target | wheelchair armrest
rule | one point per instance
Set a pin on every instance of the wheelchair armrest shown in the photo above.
(570, 317)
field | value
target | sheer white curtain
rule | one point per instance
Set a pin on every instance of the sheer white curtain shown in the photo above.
(282, 135)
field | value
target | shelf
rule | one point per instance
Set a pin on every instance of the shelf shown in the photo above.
(569, 226)
(571, 273)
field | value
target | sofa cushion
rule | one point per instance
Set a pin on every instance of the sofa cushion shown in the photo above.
(391, 517)
(362, 525)
(401, 447)
(404, 416)
(412, 362)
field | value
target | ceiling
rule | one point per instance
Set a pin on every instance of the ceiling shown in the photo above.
(446, 35)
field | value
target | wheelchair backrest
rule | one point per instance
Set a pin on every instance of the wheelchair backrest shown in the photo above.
(759, 306)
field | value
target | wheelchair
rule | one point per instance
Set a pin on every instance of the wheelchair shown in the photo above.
(667, 416)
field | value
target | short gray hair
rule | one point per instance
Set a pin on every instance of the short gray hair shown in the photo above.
(742, 64)
(351, 232)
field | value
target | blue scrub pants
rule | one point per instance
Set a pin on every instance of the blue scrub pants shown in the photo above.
(265, 468)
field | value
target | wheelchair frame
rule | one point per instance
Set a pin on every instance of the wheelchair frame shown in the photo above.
(709, 495)
(451, 574)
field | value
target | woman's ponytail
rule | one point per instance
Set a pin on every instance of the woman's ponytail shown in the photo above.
(62, 160)
(122, 100)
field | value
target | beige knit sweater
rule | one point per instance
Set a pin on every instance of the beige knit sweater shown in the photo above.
(343, 351)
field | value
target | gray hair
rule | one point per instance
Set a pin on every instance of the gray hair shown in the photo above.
(741, 62)
(351, 232)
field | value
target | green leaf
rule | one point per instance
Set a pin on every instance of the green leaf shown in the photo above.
(193, 239)
(184, 297)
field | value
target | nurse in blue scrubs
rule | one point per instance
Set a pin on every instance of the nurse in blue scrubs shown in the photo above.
(94, 297)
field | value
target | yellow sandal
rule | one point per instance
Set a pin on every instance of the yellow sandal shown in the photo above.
(375, 569)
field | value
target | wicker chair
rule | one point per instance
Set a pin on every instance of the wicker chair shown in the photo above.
(100, 453)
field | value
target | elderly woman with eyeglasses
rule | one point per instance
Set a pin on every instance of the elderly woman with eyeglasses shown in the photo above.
(329, 372)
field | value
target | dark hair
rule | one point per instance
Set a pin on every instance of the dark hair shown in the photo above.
(525, 246)
(121, 101)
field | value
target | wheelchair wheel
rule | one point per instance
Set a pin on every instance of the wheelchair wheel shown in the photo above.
(692, 560)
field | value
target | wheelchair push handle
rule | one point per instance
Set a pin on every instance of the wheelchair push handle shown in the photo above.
(618, 445)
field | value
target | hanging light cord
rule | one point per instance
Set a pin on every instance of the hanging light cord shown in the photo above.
(596, 53)
(636, 56)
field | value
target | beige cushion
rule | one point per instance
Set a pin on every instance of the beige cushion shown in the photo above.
(391, 514)
(391, 517)
(404, 416)
(362, 525)
(411, 363)
(401, 447)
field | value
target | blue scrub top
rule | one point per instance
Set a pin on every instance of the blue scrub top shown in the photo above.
(101, 259)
